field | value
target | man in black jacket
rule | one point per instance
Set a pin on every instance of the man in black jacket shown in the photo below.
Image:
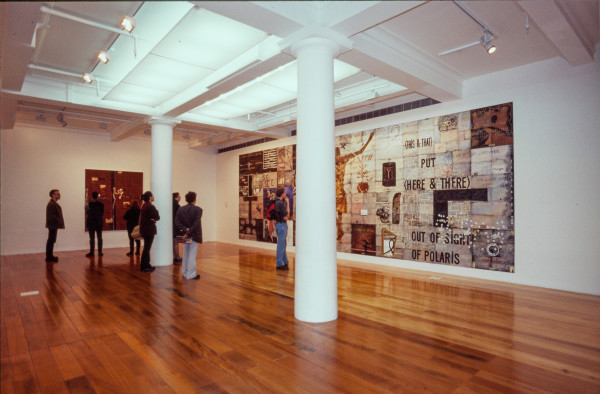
(54, 221)
(94, 222)
(176, 231)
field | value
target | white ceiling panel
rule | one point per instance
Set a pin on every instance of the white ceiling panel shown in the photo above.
(260, 96)
(221, 110)
(286, 79)
(166, 74)
(140, 95)
(343, 70)
(208, 40)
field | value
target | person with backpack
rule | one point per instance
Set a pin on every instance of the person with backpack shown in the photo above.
(280, 216)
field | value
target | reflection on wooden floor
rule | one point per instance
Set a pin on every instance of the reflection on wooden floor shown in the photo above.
(104, 326)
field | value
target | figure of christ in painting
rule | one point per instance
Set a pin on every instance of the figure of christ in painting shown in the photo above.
(340, 194)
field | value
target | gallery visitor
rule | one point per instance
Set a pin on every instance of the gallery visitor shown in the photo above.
(94, 222)
(54, 221)
(281, 229)
(176, 231)
(148, 218)
(132, 218)
(189, 219)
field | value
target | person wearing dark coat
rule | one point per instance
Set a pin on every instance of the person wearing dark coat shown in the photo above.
(176, 231)
(54, 221)
(94, 223)
(189, 219)
(132, 216)
(148, 218)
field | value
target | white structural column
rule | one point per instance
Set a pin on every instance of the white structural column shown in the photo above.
(161, 187)
(316, 265)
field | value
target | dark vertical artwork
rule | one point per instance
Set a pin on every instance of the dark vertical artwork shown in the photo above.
(117, 190)
(260, 174)
(389, 174)
(396, 208)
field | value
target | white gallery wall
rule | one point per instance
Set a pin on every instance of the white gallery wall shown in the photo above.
(36, 160)
(556, 174)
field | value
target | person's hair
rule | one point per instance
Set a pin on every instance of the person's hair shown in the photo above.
(135, 204)
(175, 195)
(279, 192)
(190, 197)
(94, 195)
(146, 196)
(52, 192)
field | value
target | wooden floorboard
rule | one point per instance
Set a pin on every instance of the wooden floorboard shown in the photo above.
(102, 326)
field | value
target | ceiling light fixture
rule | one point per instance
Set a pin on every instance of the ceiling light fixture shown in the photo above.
(487, 32)
(87, 77)
(103, 57)
(487, 44)
(128, 24)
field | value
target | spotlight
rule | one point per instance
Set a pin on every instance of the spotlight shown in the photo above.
(87, 78)
(61, 119)
(487, 44)
(128, 23)
(103, 57)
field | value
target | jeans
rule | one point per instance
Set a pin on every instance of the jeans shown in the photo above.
(188, 264)
(281, 230)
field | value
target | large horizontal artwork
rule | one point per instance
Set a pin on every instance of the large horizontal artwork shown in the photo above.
(438, 190)
(116, 190)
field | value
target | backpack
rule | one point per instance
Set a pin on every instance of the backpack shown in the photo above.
(271, 212)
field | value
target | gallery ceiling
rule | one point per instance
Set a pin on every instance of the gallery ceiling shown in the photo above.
(225, 71)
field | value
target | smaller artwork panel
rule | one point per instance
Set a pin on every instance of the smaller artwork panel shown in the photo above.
(363, 239)
(269, 160)
(251, 163)
(492, 126)
(389, 174)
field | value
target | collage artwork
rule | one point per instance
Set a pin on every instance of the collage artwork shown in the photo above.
(438, 190)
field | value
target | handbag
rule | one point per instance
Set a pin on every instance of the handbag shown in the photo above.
(135, 233)
(181, 239)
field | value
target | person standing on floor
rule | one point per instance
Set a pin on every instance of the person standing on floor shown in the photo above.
(132, 216)
(148, 218)
(189, 219)
(176, 231)
(54, 221)
(94, 222)
(281, 209)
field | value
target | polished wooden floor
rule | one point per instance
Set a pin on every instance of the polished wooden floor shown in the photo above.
(103, 326)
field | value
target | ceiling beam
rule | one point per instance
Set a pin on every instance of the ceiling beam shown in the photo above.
(126, 130)
(18, 24)
(8, 112)
(560, 26)
(372, 15)
(262, 16)
(381, 53)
